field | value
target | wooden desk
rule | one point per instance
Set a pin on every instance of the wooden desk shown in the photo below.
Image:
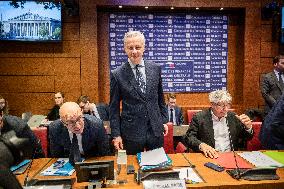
(180, 130)
(212, 178)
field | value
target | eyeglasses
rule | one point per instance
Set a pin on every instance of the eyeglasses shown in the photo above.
(72, 123)
(223, 106)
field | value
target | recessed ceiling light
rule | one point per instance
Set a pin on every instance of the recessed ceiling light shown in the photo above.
(197, 8)
(172, 8)
(146, 7)
(120, 6)
(221, 8)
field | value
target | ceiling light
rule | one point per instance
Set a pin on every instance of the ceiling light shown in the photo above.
(120, 6)
(146, 7)
(221, 8)
(197, 8)
(172, 8)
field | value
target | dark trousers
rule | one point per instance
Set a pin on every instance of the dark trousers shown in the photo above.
(149, 142)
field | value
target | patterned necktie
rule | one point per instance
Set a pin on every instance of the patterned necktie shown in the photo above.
(172, 116)
(140, 79)
(281, 81)
(75, 155)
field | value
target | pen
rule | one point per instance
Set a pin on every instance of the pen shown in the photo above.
(187, 173)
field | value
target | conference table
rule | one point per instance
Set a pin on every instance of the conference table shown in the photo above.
(212, 179)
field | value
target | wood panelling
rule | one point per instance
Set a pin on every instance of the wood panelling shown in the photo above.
(30, 73)
(27, 66)
(26, 84)
(269, 49)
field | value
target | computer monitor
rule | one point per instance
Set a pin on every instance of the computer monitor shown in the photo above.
(94, 170)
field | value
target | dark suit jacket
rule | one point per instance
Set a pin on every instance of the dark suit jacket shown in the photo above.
(54, 113)
(138, 109)
(179, 115)
(270, 90)
(272, 129)
(201, 130)
(94, 138)
(22, 130)
(103, 110)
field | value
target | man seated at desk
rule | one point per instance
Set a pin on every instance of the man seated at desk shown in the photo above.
(100, 110)
(174, 111)
(87, 132)
(216, 129)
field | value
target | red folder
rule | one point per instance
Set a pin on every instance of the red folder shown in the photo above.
(227, 160)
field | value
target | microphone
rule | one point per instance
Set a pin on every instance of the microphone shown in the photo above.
(232, 148)
(26, 180)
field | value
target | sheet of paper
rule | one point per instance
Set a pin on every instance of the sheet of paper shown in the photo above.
(162, 184)
(259, 159)
(189, 174)
(153, 157)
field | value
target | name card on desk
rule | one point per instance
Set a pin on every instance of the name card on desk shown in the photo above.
(164, 184)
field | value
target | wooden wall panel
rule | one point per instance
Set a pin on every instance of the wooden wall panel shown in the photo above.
(26, 84)
(67, 66)
(27, 66)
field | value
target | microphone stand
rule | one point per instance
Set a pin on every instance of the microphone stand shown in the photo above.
(232, 148)
(26, 181)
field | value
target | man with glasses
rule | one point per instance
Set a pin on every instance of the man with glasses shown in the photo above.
(89, 132)
(100, 111)
(216, 129)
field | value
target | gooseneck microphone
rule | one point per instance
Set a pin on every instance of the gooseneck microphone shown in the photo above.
(232, 148)
(26, 181)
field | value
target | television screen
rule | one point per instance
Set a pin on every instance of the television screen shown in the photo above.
(30, 21)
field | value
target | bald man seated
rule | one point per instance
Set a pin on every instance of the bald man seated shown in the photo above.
(91, 135)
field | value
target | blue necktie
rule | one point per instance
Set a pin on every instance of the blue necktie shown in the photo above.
(140, 79)
(75, 155)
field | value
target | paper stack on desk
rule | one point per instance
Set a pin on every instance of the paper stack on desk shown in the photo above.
(65, 170)
(160, 162)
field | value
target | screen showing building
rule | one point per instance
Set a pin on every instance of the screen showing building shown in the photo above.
(30, 21)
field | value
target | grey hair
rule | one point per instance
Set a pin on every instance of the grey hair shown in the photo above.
(220, 96)
(134, 34)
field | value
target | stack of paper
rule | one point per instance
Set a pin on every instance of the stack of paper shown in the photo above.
(160, 162)
(65, 170)
(259, 159)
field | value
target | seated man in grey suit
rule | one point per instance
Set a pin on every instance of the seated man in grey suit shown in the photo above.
(216, 129)
(271, 85)
(89, 131)
(174, 111)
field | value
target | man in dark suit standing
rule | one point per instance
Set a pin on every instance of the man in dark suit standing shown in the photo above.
(272, 129)
(174, 111)
(138, 84)
(272, 86)
(216, 129)
(90, 135)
